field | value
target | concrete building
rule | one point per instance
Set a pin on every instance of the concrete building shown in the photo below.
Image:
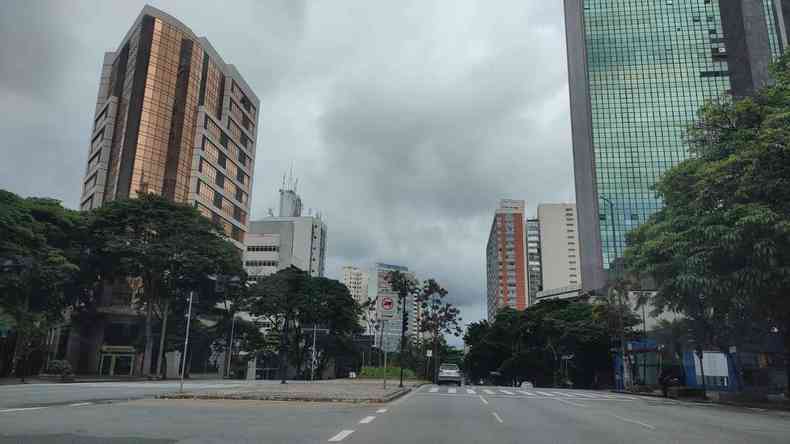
(638, 73)
(356, 280)
(388, 336)
(559, 242)
(506, 274)
(534, 261)
(172, 118)
(277, 242)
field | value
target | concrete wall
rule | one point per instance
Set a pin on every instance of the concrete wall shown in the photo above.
(592, 274)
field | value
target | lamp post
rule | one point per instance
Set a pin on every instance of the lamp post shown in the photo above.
(186, 343)
(626, 380)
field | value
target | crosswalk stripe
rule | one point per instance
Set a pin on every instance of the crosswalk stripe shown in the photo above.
(544, 393)
(434, 390)
(586, 395)
(526, 393)
(488, 392)
(451, 390)
(567, 395)
(470, 391)
(506, 392)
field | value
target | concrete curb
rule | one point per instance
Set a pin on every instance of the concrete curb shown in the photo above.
(286, 397)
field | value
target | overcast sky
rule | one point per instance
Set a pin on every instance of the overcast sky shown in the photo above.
(405, 121)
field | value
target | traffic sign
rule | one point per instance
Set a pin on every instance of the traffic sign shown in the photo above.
(387, 307)
(428, 353)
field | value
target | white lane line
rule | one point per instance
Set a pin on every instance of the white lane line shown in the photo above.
(488, 392)
(434, 390)
(381, 411)
(587, 395)
(526, 393)
(483, 399)
(341, 436)
(507, 392)
(633, 421)
(567, 395)
(497, 417)
(24, 409)
(80, 404)
(470, 391)
(565, 401)
(450, 391)
(367, 420)
(544, 394)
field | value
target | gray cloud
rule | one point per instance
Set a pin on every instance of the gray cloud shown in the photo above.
(405, 121)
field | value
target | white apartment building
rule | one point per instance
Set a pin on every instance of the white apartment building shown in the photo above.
(356, 280)
(277, 242)
(559, 242)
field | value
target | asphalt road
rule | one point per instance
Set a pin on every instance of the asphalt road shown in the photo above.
(429, 415)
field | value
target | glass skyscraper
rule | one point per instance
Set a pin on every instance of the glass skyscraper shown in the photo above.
(639, 71)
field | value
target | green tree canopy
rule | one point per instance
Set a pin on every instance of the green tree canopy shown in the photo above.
(719, 250)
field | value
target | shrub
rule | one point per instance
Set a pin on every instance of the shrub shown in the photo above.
(392, 372)
(59, 367)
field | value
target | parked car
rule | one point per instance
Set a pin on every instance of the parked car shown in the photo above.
(449, 373)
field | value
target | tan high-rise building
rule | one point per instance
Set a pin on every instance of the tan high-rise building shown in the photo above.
(172, 118)
(559, 245)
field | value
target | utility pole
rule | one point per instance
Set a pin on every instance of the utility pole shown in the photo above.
(230, 345)
(312, 363)
(404, 320)
(186, 343)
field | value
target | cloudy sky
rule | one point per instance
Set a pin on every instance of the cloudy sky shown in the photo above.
(405, 121)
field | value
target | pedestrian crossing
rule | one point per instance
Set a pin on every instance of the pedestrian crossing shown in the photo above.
(527, 394)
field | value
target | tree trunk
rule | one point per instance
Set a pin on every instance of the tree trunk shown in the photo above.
(787, 357)
(165, 311)
(284, 351)
(149, 345)
(702, 373)
(436, 358)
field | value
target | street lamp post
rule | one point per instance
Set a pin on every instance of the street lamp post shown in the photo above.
(619, 295)
(186, 343)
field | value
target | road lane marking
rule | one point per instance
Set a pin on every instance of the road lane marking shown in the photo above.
(381, 411)
(507, 392)
(367, 420)
(451, 391)
(488, 392)
(434, 390)
(24, 409)
(484, 400)
(587, 395)
(526, 393)
(497, 417)
(567, 395)
(544, 394)
(80, 404)
(565, 401)
(470, 391)
(633, 421)
(341, 436)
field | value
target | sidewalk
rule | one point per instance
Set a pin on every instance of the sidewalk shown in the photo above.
(714, 398)
(338, 390)
(45, 379)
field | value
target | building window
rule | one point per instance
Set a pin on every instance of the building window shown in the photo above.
(260, 263)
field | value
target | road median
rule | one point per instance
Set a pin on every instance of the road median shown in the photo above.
(343, 390)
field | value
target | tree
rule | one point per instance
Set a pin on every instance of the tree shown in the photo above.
(40, 251)
(282, 298)
(719, 250)
(171, 248)
(405, 286)
(437, 318)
